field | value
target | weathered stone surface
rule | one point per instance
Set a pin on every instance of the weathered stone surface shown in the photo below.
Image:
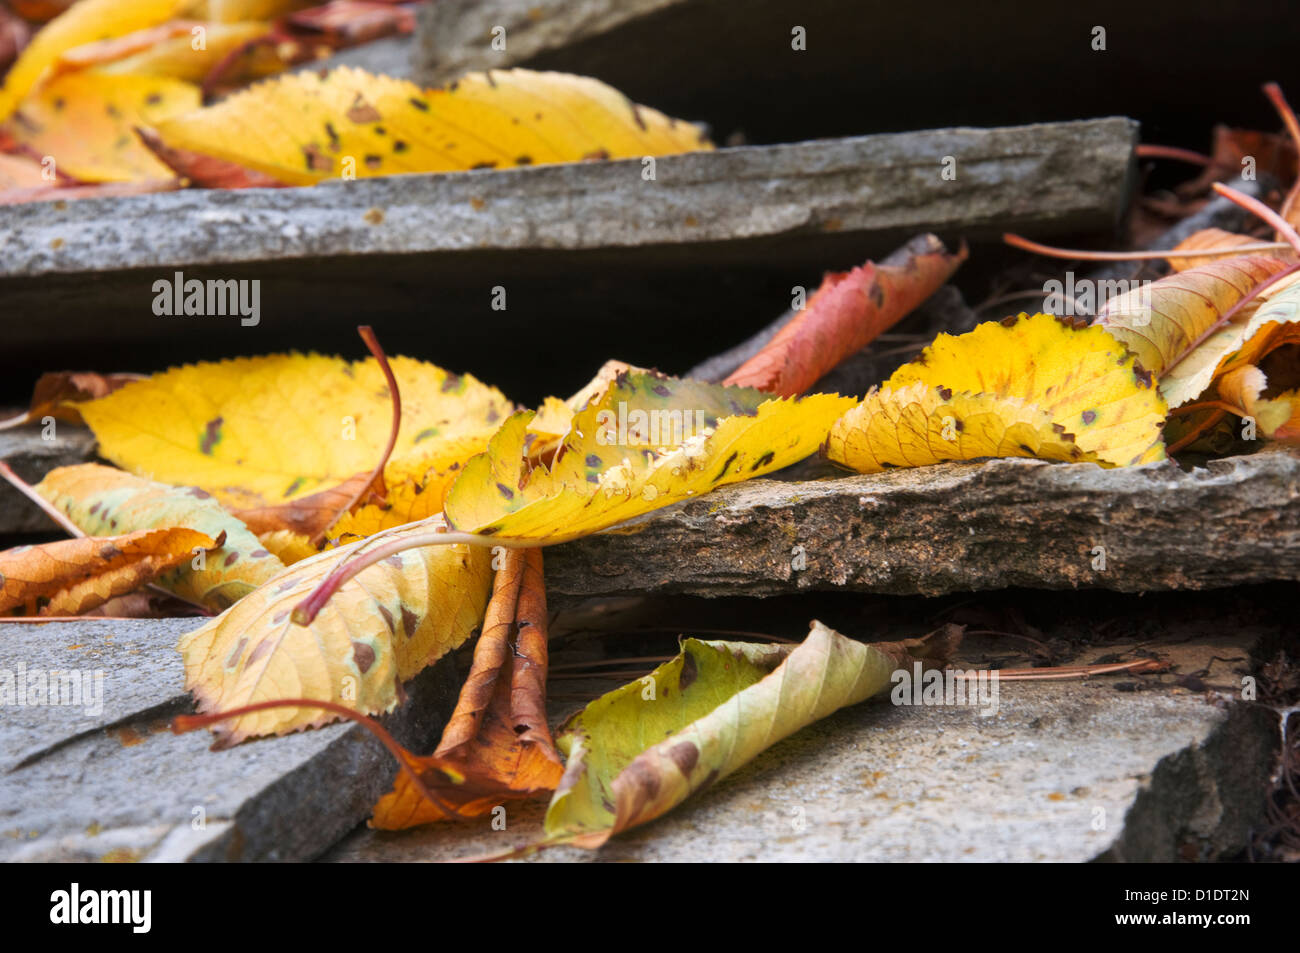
(960, 527)
(1067, 175)
(1063, 771)
(105, 777)
(31, 457)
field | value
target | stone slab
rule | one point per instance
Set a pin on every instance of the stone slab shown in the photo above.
(959, 528)
(104, 778)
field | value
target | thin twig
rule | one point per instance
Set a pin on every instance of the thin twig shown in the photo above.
(48, 508)
(184, 723)
(368, 335)
(1025, 244)
(1192, 436)
(1151, 151)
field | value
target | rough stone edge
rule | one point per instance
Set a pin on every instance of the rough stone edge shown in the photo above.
(959, 527)
(1068, 175)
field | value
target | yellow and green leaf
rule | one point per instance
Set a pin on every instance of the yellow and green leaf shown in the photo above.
(639, 751)
(648, 441)
(103, 501)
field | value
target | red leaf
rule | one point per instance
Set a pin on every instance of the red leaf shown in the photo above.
(846, 314)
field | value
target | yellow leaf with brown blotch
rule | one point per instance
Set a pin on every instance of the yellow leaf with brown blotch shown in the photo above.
(379, 630)
(304, 128)
(73, 576)
(648, 441)
(1048, 376)
(262, 431)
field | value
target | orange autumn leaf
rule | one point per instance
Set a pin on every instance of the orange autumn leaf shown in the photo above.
(844, 315)
(497, 745)
(72, 576)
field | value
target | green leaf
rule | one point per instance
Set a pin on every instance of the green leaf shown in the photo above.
(642, 749)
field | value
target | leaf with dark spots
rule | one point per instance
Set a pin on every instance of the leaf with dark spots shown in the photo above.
(211, 436)
(632, 441)
(348, 654)
(99, 499)
(742, 698)
(1016, 388)
(489, 122)
(73, 576)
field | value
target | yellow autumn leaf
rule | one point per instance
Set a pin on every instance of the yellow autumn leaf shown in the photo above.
(1082, 379)
(84, 22)
(416, 482)
(649, 441)
(287, 546)
(304, 128)
(86, 121)
(916, 425)
(258, 431)
(380, 629)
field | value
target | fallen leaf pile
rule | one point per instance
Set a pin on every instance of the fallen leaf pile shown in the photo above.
(347, 523)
